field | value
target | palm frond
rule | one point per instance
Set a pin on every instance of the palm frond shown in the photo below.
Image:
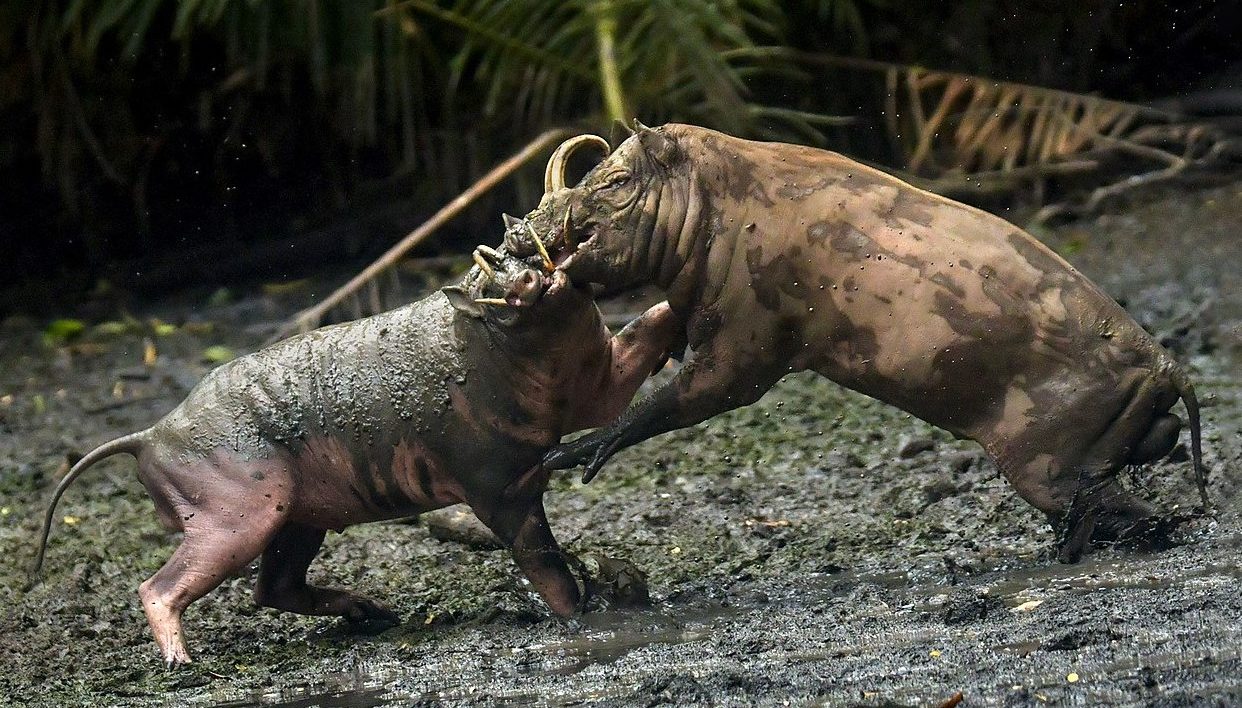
(359, 63)
(951, 129)
(590, 57)
(944, 122)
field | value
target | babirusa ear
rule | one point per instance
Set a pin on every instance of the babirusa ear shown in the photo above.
(461, 301)
(658, 145)
(639, 127)
(620, 131)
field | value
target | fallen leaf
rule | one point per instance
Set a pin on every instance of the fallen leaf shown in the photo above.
(218, 354)
(62, 330)
(112, 328)
(1027, 606)
(952, 700)
(162, 328)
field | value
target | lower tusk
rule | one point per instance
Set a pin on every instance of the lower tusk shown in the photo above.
(483, 266)
(565, 230)
(490, 252)
(543, 251)
(492, 301)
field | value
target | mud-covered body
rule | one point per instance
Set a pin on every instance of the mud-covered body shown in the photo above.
(365, 420)
(779, 258)
(450, 399)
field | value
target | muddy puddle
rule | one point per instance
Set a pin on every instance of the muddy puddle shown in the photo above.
(815, 548)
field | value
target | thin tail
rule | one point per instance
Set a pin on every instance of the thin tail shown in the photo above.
(131, 443)
(1187, 392)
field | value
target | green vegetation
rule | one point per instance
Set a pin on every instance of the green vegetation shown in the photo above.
(135, 126)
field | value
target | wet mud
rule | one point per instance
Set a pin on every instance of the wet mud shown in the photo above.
(816, 547)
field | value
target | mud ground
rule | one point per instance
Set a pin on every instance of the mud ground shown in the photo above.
(816, 547)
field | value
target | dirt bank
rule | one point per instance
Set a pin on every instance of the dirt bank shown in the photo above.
(815, 546)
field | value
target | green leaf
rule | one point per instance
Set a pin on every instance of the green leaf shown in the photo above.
(162, 328)
(62, 330)
(218, 354)
(113, 328)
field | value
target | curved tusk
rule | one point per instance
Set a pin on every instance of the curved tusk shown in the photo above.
(554, 173)
(492, 301)
(483, 266)
(569, 242)
(543, 250)
(490, 253)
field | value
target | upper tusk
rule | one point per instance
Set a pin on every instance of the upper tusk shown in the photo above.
(543, 250)
(554, 173)
(492, 301)
(483, 266)
(489, 252)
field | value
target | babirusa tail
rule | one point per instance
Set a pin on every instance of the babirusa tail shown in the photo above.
(131, 443)
(1187, 392)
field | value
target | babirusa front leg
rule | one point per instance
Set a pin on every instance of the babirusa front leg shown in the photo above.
(519, 520)
(706, 386)
(637, 352)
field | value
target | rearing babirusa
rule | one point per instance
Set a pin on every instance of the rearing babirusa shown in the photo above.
(778, 258)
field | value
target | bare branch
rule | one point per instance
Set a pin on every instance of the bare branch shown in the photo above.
(311, 317)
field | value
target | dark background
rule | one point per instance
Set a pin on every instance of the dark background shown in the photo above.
(150, 145)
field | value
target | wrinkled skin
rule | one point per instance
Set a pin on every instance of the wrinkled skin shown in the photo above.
(443, 401)
(777, 258)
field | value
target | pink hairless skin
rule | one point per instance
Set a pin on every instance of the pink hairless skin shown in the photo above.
(454, 398)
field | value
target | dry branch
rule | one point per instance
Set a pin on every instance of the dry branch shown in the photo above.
(311, 317)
